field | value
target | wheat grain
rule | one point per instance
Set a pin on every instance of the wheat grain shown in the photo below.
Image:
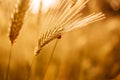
(65, 19)
(17, 19)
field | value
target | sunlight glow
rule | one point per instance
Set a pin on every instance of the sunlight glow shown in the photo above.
(34, 6)
(46, 4)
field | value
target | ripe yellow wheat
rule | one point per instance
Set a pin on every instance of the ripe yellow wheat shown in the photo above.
(17, 19)
(66, 17)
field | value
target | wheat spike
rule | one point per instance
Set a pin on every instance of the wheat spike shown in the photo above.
(66, 18)
(49, 36)
(17, 19)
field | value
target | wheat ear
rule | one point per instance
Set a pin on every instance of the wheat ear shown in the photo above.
(65, 19)
(49, 36)
(17, 19)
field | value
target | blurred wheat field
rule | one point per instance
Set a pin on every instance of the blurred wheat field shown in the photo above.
(88, 53)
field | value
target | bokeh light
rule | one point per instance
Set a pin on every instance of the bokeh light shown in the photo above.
(46, 4)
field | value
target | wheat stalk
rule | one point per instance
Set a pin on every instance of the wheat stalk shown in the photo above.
(66, 18)
(50, 59)
(17, 19)
(15, 26)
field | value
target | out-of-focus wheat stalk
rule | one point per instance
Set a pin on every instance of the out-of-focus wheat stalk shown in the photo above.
(15, 25)
(50, 59)
(9, 61)
(66, 18)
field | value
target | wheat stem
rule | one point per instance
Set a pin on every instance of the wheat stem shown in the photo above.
(9, 62)
(50, 59)
(30, 69)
